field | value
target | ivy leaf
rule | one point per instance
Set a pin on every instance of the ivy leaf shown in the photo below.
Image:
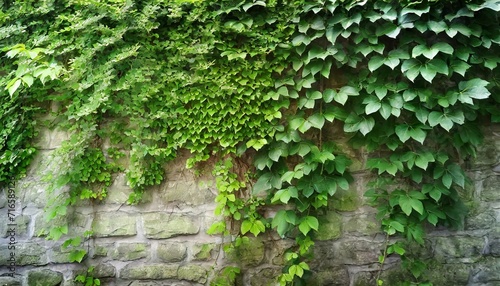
(436, 118)
(256, 143)
(263, 183)
(403, 132)
(375, 62)
(474, 88)
(388, 29)
(316, 120)
(308, 223)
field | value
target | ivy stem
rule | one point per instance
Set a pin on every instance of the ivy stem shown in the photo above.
(384, 255)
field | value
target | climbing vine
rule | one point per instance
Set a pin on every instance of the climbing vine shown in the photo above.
(285, 83)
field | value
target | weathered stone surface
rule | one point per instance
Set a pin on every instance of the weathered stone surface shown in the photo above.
(338, 276)
(114, 224)
(361, 224)
(193, 272)
(448, 248)
(103, 249)
(171, 252)
(17, 228)
(203, 251)
(494, 247)
(162, 283)
(448, 274)
(249, 253)
(130, 251)
(3, 198)
(24, 254)
(330, 226)
(481, 220)
(487, 272)
(33, 193)
(149, 271)
(264, 277)
(119, 192)
(345, 201)
(104, 270)
(186, 192)
(357, 252)
(44, 277)
(10, 281)
(490, 189)
(59, 255)
(163, 225)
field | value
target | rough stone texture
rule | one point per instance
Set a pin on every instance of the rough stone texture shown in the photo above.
(163, 225)
(193, 272)
(364, 224)
(186, 192)
(10, 281)
(114, 224)
(171, 252)
(130, 251)
(357, 252)
(448, 248)
(203, 251)
(345, 200)
(104, 271)
(264, 277)
(330, 226)
(151, 271)
(338, 276)
(490, 189)
(249, 253)
(449, 274)
(44, 278)
(25, 254)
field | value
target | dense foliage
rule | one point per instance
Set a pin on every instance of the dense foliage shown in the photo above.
(409, 81)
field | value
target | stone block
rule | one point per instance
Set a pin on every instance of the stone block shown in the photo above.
(249, 253)
(102, 249)
(482, 220)
(491, 189)
(357, 252)
(119, 192)
(264, 277)
(10, 281)
(448, 274)
(338, 276)
(163, 225)
(149, 271)
(44, 277)
(130, 251)
(193, 272)
(446, 249)
(104, 270)
(171, 252)
(487, 272)
(24, 254)
(3, 198)
(345, 201)
(108, 224)
(362, 224)
(19, 227)
(185, 192)
(330, 226)
(59, 255)
(203, 252)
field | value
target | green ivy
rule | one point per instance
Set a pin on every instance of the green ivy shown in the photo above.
(281, 82)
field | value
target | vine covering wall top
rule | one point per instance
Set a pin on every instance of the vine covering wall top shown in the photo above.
(411, 80)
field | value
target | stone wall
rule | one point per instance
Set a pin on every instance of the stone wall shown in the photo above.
(163, 240)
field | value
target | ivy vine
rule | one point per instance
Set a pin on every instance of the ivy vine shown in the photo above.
(278, 83)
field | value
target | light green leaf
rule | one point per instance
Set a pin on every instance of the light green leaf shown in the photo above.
(375, 62)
